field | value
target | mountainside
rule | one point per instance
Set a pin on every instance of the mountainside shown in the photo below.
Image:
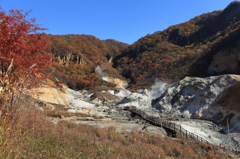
(84, 49)
(187, 49)
(205, 45)
(77, 56)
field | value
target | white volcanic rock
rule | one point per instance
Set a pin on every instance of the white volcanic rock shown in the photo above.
(190, 98)
(201, 98)
(140, 101)
(82, 94)
(145, 92)
(213, 98)
(120, 92)
(75, 102)
(205, 130)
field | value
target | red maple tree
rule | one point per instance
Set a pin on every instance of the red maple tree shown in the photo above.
(22, 52)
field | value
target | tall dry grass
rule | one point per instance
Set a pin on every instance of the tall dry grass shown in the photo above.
(31, 135)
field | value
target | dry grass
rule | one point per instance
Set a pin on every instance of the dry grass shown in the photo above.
(31, 135)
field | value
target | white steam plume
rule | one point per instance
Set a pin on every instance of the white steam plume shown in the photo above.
(158, 88)
(99, 69)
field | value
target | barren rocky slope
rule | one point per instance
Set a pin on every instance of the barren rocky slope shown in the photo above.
(207, 107)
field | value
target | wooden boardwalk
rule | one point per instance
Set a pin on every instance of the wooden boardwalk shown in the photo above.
(177, 130)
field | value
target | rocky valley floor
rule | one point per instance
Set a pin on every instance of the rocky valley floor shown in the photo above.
(193, 103)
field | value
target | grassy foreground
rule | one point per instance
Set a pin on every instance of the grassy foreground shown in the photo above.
(31, 135)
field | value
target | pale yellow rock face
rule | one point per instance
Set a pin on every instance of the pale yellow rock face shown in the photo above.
(51, 95)
(120, 83)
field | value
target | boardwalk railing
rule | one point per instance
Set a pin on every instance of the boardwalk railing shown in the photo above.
(176, 129)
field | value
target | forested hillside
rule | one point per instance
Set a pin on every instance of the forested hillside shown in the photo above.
(77, 56)
(186, 49)
(192, 48)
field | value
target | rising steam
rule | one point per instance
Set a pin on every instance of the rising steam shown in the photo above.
(104, 75)
(158, 88)
(99, 69)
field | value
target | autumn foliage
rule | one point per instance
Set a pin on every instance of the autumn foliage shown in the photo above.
(22, 55)
(181, 50)
(77, 56)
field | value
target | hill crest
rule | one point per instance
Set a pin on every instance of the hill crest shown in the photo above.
(186, 49)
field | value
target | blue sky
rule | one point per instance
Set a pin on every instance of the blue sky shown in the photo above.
(122, 20)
